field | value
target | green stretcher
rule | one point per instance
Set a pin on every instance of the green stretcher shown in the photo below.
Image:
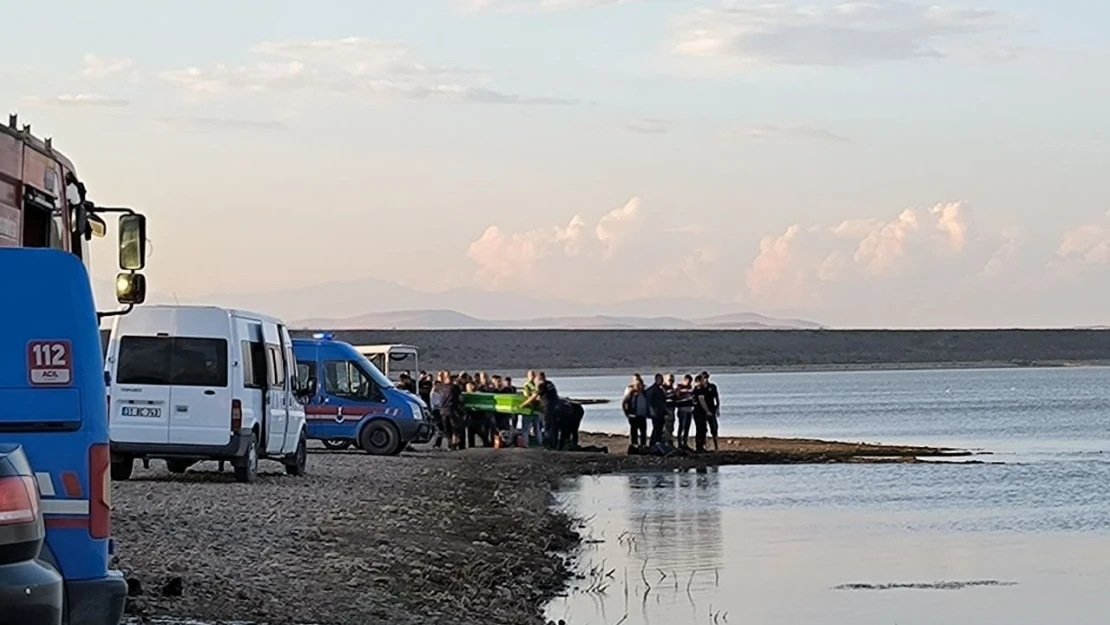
(502, 403)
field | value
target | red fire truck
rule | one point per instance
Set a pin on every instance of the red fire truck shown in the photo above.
(43, 204)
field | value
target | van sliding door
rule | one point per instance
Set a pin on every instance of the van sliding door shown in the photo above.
(277, 401)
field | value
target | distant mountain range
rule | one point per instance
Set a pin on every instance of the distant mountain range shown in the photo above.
(372, 303)
(453, 320)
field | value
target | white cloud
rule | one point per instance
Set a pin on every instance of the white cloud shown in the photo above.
(853, 33)
(803, 264)
(938, 265)
(1087, 244)
(352, 66)
(794, 131)
(77, 100)
(96, 67)
(647, 126)
(506, 258)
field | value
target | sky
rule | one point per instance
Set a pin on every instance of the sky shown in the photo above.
(882, 163)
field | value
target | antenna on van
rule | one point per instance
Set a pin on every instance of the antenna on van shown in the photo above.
(175, 302)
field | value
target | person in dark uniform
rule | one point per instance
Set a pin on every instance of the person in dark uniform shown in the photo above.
(714, 415)
(547, 396)
(657, 402)
(702, 408)
(451, 408)
(424, 386)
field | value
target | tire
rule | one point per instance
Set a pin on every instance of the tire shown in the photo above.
(246, 470)
(298, 464)
(380, 438)
(337, 444)
(121, 469)
(178, 466)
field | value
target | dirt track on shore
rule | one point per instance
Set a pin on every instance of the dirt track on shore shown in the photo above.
(428, 537)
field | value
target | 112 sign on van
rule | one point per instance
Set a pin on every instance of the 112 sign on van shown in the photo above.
(49, 363)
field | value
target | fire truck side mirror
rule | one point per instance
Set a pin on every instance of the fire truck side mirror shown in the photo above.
(132, 242)
(131, 288)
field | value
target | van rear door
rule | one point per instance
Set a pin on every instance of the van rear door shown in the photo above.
(140, 392)
(201, 396)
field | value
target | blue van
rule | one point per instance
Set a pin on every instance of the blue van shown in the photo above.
(53, 404)
(356, 404)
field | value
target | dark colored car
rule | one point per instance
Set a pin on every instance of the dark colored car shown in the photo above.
(31, 592)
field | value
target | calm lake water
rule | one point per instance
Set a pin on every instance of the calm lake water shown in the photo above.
(772, 544)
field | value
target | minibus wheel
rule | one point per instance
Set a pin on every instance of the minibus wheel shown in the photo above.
(337, 444)
(297, 465)
(380, 438)
(246, 468)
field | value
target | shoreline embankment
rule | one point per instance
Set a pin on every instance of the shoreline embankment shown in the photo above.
(606, 352)
(428, 537)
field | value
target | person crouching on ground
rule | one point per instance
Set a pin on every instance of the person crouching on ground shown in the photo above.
(637, 409)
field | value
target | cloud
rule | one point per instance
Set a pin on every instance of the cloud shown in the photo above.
(352, 66)
(647, 126)
(795, 131)
(77, 100)
(96, 67)
(508, 259)
(854, 33)
(1088, 244)
(795, 269)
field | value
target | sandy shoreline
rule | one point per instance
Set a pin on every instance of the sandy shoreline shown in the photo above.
(428, 537)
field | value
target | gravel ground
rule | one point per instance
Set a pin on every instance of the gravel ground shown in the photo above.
(427, 537)
(424, 538)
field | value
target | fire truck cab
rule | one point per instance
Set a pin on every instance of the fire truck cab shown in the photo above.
(44, 205)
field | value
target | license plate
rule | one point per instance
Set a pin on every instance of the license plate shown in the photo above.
(141, 411)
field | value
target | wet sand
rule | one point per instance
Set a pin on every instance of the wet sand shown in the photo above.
(428, 537)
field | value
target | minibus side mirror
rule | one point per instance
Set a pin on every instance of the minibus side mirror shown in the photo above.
(132, 242)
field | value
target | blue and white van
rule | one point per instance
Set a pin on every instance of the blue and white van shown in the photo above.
(352, 403)
(53, 405)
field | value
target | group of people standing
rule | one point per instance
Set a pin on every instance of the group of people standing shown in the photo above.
(693, 401)
(554, 424)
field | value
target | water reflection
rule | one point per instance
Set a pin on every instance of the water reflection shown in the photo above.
(708, 547)
(658, 544)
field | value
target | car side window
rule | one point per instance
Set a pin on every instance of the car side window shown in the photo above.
(306, 373)
(336, 378)
(345, 379)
